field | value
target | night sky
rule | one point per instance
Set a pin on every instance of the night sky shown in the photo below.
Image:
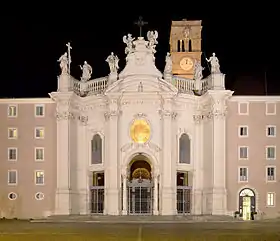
(244, 40)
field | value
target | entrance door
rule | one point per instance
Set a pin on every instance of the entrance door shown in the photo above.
(140, 197)
(246, 208)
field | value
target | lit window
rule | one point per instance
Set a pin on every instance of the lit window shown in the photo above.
(39, 133)
(270, 199)
(39, 177)
(12, 133)
(12, 111)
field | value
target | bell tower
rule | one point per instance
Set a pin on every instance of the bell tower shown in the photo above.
(185, 46)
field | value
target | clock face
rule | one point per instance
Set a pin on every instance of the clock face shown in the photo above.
(186, 63)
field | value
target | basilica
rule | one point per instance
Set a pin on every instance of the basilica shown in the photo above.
(143, 142)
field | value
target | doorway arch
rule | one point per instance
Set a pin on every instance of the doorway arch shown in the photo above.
(140, 186)
(247, 203)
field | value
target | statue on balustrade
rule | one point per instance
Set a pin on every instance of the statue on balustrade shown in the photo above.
(87, 71)
(168, 63)
(215, 66)
(198, 70)
(113, 62)
(64, 63)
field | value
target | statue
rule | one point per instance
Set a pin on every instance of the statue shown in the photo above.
(140, 87)
(128, 40)
(113, 62)
(87, 71)
(186, 32)
(64, 63)
(152, 37)
(198, 70)
(168, 63)
(214, 61)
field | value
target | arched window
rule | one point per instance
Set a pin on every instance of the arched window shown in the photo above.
(96, 149)
(184, 149)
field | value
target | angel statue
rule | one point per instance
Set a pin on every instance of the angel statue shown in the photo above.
(152, 37)
(63, 63)
(128, 40)
(214, 61)
(113, 62)
(87, 71)
(168, 63)
(198, 70)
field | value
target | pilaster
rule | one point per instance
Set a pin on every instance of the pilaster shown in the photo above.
(63, 117)
(168, 180)
(82, 164)
(219, 110)
(112, 176)
(197, 202)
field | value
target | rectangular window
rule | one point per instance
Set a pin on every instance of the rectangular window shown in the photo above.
(243, 108)
(271, 131)
(243, 131)
(39, 177)
(243, 153)
(270, 108)
(12, 153)
(12, 111)
(12, 177)
(243, 174)
(12, 133)
(270, 199)
(39, 132)
(270, 152)
(271, 174)
(39, 154)
(39, 110)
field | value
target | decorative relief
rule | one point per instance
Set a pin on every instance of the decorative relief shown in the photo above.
(167, 114)
(140, 115)
(109, 114)
(83, 119)
(134, 145)
(65, 115)
(140, 131)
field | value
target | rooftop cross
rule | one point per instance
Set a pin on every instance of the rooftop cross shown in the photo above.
(140, 23)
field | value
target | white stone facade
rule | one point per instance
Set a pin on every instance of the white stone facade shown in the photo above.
(108, 107)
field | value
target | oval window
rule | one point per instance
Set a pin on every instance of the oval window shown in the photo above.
(12, 196)
(39, 196)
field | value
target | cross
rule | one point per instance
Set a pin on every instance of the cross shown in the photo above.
(140, 23)
(69, 56)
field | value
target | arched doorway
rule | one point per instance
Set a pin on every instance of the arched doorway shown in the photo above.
(140, 186)
(247, 203)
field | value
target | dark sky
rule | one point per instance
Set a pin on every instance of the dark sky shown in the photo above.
(244, 39)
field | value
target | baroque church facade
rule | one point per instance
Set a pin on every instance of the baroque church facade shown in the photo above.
(143, 142)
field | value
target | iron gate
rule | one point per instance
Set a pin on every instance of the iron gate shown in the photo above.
(140, 197)
(183, 199)
(97, 199)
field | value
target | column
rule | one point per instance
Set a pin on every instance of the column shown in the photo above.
(112, 181)
(62, 198)
(82, 164)
(155, 203)
(168, 180)
(124, 211)
(219, 203)
(198, 166)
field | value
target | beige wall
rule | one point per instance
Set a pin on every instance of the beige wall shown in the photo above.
(256, 120)
(26, 205)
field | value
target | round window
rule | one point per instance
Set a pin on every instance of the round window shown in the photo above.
(39, 196)
(12, 196)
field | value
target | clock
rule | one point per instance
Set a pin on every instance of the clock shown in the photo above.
(140, 131)
(186, 63)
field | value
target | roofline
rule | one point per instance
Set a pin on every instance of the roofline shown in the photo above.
(255, 98)
(26, 101)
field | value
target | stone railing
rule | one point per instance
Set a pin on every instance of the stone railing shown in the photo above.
(189, 85)
(91, 87)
